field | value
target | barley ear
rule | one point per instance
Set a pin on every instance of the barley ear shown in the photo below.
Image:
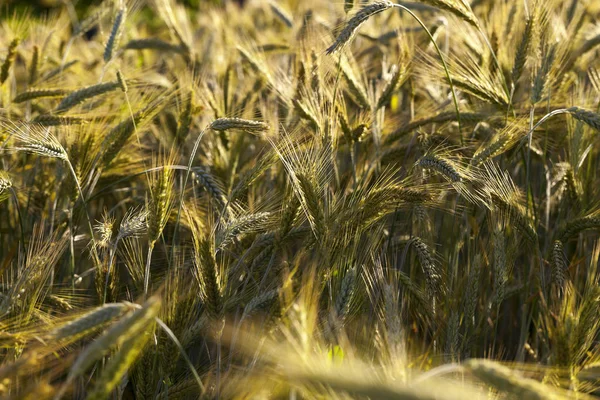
(225, 124)
(459, 8)
(348, 5)
(9, 60)
(507, 381)
(122, 82)
(115, 34)
(523, 50)
(442, 166)
(208, 276)
(161, 203)
(355, 22)
(389, 88)
(559, 265)
(118, 365)
(57, 120)
(432, 275)
(89, 321)
(344, 296)
(128, 327)
(33, 68)
(83, 94)
(5, 185)
(186, 117)
(39, 93)
(589, 118)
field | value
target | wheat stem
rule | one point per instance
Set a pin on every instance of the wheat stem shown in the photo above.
(147, 269)
(172, 336)
(185, 180)
(442, 59)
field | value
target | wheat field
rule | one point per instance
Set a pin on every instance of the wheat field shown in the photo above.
(295, 199)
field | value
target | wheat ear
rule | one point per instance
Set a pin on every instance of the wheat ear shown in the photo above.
(115, 34)
(506, 381)
(225, 124)
(128, 327)
(88, 92)
(9, 60)
(39, 93)
(90, 320)
(118, 365)
(355, 22)
(34, 65)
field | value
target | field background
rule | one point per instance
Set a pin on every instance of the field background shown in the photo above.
(300, 199)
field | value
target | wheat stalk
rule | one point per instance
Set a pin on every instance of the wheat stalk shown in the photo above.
(500, 266)
(471, 297)
(133, 224)
(116, 138)
(37, 140)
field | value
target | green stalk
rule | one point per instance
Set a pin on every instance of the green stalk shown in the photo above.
(147, 270)
(111, 256)
(528, 161)
(442, 59)
(504, 83)
(16, 200)
(89, 220)
(172, 336)
(72, 250)
(187, 176)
